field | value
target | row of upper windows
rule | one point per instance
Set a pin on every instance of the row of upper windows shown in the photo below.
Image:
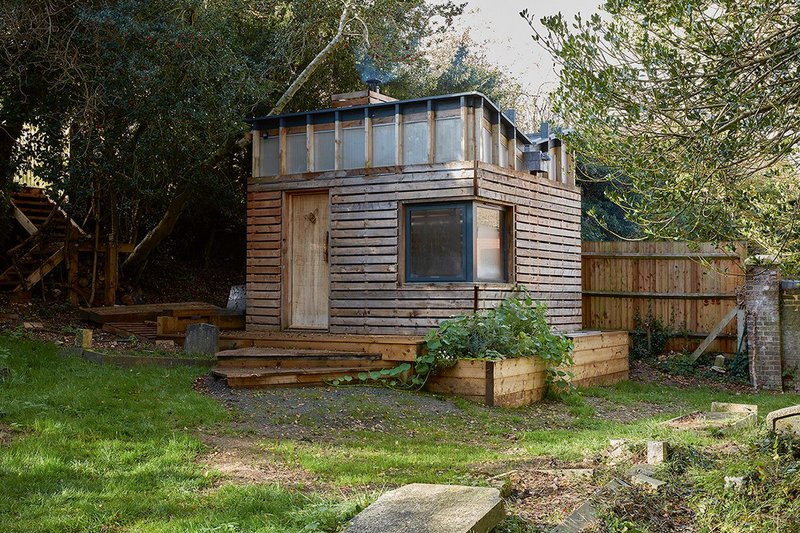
(448, 146)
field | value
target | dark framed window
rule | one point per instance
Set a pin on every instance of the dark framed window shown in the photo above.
(456, 241)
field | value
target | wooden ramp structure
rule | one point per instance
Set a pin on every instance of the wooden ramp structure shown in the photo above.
(48, 239)
(49, 231)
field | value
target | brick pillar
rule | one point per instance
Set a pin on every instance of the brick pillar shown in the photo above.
(790, 331)
(763, 306)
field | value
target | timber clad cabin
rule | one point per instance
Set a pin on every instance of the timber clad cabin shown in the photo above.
(384, 217)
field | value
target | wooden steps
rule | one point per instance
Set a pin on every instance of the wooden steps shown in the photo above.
(390, 347)
(271, 367)
(48, 228)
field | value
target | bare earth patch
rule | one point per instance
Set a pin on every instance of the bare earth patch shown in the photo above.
(544, 499)
(241, 461)
(617, 412)
(7, 434)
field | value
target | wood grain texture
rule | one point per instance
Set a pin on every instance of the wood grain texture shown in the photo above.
(368, 294)
(688, 288)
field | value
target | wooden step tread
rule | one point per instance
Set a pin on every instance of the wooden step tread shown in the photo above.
(272, 353)
(240, 372)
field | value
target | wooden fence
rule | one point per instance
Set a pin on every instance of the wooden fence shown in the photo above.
(689, 289)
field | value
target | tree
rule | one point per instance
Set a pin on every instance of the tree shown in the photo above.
(151, 109)
(454, 63)
(694, 103)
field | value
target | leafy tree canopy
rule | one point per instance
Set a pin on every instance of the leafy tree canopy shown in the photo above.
(136, 107)
(694, 102)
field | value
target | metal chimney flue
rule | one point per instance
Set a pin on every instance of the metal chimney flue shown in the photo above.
(374, 85)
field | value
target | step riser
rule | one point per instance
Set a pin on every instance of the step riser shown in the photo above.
(283, 381)
(293, 363)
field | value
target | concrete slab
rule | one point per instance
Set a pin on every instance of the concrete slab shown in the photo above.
(723, 407)
(785, 420)
(585, 516)
(426, 508)
(722, 417)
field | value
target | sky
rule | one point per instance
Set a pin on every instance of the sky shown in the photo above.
(507, 36)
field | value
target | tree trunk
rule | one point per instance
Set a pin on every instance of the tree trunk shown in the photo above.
(313, 65)
(135, 262)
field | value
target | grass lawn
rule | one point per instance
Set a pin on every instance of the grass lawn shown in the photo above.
(87, 447)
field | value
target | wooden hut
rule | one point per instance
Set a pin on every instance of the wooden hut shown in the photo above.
(384, 217)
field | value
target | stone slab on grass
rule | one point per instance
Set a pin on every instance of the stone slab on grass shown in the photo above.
(425, 508)
(723, 407)
(585, 516)
(786, 420)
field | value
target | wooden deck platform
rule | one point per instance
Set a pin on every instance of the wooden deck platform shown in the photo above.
(144, 312)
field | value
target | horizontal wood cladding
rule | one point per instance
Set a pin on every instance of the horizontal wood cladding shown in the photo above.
(264, 211)
(367, 295)
(547, 239)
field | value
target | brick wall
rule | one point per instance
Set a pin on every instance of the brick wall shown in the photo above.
(762, 301)
(790, 332)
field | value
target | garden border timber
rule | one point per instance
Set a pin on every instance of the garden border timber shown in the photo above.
(601, 358)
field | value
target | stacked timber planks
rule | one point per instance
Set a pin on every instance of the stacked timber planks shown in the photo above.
(274, 367)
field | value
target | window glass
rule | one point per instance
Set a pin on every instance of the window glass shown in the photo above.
(296, 153)
(415, 143)
(436, 247)
(489, 244)
(353, 147)
(486, 145)
(448, 139)
(383, 145)
(503, 151)
(269, 161)
(324, 153)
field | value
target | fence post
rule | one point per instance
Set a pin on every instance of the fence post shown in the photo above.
(762, 303)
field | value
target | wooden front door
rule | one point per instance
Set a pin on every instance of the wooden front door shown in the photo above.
(308, 271)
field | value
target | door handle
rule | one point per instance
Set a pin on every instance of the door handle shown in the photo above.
(325, 247)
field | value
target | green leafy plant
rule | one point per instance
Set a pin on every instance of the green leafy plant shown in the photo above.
(516, 328)
(649, 337)
(739, 367)
(680, 364)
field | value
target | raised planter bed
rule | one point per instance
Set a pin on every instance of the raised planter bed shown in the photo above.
(601, 358)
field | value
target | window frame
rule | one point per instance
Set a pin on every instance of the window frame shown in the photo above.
(469, 263)
(468, 239)
(506, 221)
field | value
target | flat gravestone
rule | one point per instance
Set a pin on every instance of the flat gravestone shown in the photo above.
(237, 299)
(424, 508)
(201, 338)
(785, 420)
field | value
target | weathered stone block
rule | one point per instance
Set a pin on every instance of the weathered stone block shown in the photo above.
(657, 452)
(237, 299)
(723, 407)
(785, 420)
(83, 338)
(425, 508)
(201, 338)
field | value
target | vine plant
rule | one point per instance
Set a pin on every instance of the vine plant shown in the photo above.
(516, 328)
